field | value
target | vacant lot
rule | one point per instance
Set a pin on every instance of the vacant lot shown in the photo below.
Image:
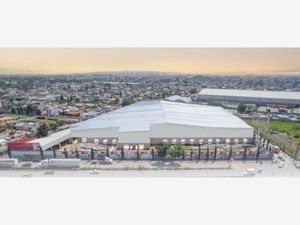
(291, 128)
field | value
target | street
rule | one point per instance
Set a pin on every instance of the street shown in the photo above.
(163, 169)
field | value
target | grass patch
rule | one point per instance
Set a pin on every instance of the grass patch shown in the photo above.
(291, 128)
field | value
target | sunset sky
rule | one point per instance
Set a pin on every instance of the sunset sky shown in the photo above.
(185, 60)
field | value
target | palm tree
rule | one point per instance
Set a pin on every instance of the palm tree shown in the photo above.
(207, 152)
(122, 153)
(215, 154)
(66, 154)
(92, 154)
(54, 153)
(258, 151)
(42, 153)
(137, 154)
(230, 152)
(245, 153)
(76, 152)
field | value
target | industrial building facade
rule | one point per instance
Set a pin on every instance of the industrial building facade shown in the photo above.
(250, 96)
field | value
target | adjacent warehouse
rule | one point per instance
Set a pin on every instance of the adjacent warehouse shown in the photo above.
(148, 123)
(250, 96)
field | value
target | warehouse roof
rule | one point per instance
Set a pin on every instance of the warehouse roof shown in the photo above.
(140, 116)
(53, 139)
(177, 98)
(251, 93)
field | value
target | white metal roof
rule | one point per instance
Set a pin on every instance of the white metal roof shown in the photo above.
(177, 98)
(251, 93)
(140, 116)
(53, 139)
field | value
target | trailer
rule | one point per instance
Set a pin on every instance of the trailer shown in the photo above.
(60, 163)
(8, 163)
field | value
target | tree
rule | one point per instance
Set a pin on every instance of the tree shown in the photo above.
(242, 108)
(162, 149)
(177, 150)
(42, 131)
(193, 91)
(127, 101)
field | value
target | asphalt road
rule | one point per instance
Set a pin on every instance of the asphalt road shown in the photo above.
(167, 169)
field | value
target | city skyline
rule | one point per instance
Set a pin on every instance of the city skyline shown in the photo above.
(226, 61)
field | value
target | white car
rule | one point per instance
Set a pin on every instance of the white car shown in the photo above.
(250, 172)
(27, 175)
(281, 165)
(94, 172)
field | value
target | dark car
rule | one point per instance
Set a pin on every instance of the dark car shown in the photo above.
(281, 158)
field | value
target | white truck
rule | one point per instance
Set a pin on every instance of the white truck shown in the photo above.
(8, 163)
(60, 163)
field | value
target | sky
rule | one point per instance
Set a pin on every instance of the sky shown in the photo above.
(183, 60)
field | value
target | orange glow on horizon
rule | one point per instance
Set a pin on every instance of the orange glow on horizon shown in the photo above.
(182, 60)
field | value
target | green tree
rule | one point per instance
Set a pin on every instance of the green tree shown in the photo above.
(242, 108)
(177, 150)
(193, 91)
(42, 131)
(162, 149)
(127, 101)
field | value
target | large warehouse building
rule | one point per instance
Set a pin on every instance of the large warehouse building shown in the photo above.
(151, 122)
(250, 96)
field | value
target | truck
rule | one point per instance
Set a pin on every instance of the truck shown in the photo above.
(8, 163)
(59, 163)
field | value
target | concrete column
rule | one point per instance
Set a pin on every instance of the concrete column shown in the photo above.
(199, 152)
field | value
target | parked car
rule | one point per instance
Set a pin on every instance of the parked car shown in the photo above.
(250, 172)
(281, 158)
(94, 172)
(281, 165)
(27, 175)
(49, 172)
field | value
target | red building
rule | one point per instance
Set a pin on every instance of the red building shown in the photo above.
(20, 144)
